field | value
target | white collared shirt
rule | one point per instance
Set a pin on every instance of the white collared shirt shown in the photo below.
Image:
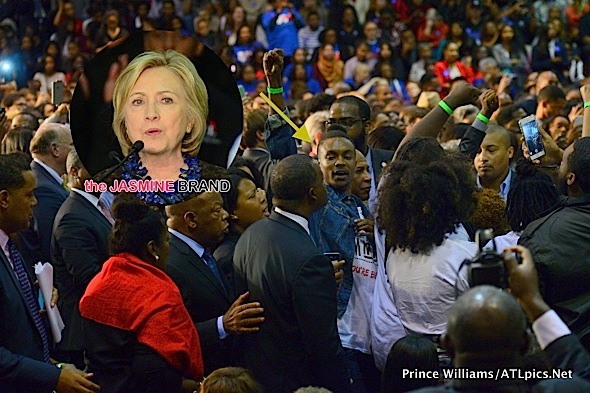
(298, 219)
(200, 250)
(193, 244)
(51, 171)
(4, 245)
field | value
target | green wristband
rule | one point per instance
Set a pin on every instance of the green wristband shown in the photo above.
(587, 104)
(445, 107)
(483, 118)
(275, 90)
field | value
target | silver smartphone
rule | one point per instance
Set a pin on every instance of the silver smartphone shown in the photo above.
(532, 136)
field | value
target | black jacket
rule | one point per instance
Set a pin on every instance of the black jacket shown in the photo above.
(560, 244)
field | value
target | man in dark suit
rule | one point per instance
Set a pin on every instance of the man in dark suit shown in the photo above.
(79, 247)
(196, 227)
(354, 115)
(25, 365)
(49, 147)
(278, 263)
(486, 332)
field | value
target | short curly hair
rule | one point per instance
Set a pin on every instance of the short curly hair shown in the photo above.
(421, 202)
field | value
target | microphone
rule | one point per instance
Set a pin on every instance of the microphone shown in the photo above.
(135, 148)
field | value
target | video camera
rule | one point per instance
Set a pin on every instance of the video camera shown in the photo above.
(487, 268)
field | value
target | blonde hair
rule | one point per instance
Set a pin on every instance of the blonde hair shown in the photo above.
(194, 90)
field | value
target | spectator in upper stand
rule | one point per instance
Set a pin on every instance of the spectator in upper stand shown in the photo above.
(281, 25)
(509, 53)
(396, 86)
(230, 25)
(164, 20)
(450, 68)
(408, 53)
(474, 23)
(298, 58)
(206, 36)
(388, 55)
(418, 68)
(541, 9)
(433, 30)
(65, 12)
(489, 34)
(309, 35)
(550, 53)
(364, 56)
(110, 30)
(575, 11)
(245, 46)
(49, 74)
(543, 79)
(328, 70)
(299, 75)
(248, 78)
(391, 27)
(327, 36)
(457, 35)
(360, 76)
(349, 32)
(371, 37)
(551, 101)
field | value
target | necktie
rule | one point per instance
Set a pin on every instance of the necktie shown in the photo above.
(105, 211)
(21, 275)
(212, 265)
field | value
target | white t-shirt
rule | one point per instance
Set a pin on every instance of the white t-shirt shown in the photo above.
(424, 285)
(354, 326)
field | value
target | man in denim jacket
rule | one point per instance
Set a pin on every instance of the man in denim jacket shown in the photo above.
(342, 226)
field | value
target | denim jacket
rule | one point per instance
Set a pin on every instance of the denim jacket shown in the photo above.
(332, 229)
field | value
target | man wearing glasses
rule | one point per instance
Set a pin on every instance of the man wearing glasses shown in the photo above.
(354, 115)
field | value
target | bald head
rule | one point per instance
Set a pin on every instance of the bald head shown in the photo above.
(485, 319)
(545, 79)
(499, 134)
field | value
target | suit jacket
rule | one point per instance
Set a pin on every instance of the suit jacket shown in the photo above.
(79, 247)
(22, 369)
(298, 343)
(204, 299)
(50, 195)
(379, 159)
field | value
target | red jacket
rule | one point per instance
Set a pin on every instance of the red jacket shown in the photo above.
(441, 70)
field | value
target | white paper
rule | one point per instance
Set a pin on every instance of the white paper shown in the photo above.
(44, 273)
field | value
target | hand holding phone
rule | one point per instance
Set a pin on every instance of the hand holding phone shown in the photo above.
(57, 92)
(532, 137)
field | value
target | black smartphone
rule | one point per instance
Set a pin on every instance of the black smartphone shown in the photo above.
(333, 256)
(57, 92)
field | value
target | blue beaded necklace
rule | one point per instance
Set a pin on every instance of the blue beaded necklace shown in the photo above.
(134, 169)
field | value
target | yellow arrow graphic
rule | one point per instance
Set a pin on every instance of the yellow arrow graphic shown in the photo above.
(300, 133)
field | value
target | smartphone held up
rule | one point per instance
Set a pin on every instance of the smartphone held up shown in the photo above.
(532, 137)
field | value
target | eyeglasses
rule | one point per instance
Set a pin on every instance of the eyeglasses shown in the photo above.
(345, 121)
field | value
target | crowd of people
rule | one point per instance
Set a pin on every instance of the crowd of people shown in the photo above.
(346, 264)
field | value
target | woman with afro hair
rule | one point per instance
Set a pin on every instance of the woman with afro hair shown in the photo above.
(421, 204)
